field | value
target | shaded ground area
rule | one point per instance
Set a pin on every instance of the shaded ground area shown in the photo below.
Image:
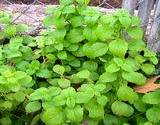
(108, 4)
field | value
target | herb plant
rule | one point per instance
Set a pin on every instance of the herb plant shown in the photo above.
(80, 70)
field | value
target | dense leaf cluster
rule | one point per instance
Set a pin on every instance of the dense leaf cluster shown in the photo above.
(81, 69)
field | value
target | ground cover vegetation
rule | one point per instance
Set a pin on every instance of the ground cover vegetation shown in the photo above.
(80, 70)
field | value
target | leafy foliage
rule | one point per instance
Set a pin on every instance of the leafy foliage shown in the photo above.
(82, 71)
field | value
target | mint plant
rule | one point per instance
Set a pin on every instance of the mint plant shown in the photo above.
(80, 70)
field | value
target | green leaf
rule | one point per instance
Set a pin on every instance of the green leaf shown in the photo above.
(50, 10)
(58, 11)
(3, 80)
(95, 110)
(26, 82)
(59, 100)
(49, 20)
(135, 33)
(35, 64)
(140, 59)
(53, 91)
(70, 102)
(94, 76)
(79, 52)
(104, 33)
(66, 2)
(94, 50)
(38, 94)
(59, 46)
(134, 77)
(19, 96)
(126, 93)
(111, 68)
(51, 58)
(90, 34)
(154, 60)
(90, 20)
(67, 68)
(44, 73)
(102, 100)
(136, 21)
(152, 97)
(75, 63)
(67, 97)
(148, 123)
(75, 79)
(73, 47)
(83, 2)
(59, 34)
(35, 120)
(74, 114)
(118, 47)
(99, 87)
(122, 109)
(20, 74)
(75, 36)
(110, 120)
(149, 53)
(153, 114)
(87, 87)
(125, 21)
(148, 68)
(15, 43)
(83, 97)
(53, 116)
(64, 83)
(5, 121)
(69, 9)
(57, 22)
(84, 74)
(40, 40)
(136, 45)
(108, 20)
(141, 120)
(33, 106)
(47, 105)
(118, 61)
(130, 65)
(62, 55)
(5, 105)
(59, 69)
(5, 17)
(1, 54)
(92, 121)
(10, 30)
(69, 92)
(76, 21)
(140, 105)
(27, 53)
(21, 28)
(90, 65)
(108, 77)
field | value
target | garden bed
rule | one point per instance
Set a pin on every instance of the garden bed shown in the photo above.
(88, 67)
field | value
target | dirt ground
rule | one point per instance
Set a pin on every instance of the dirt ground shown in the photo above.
(110, 3)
